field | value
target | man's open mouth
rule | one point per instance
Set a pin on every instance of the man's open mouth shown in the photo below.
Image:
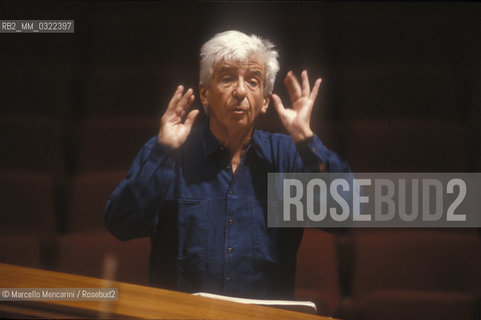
(239, 110)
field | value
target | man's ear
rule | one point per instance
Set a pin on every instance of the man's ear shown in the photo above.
(203, 93)
(265, 104)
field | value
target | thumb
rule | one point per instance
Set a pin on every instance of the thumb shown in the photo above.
(278, 105)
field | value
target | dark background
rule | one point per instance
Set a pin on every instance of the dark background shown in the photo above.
(400, 93)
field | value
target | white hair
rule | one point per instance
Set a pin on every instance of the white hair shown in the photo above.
(232, 46)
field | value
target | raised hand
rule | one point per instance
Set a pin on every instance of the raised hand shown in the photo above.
(175, 125)
(297, 120)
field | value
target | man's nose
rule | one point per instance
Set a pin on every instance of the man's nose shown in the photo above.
(240, 89)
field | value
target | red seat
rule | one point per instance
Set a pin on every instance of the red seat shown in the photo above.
(89, 193)
(32, 143)
(103, 144)
(32, 85)
(27, 203)
(475, 121)
(378, 34)
(407, 146)
(418, 304)
(124, 91)
(101, 255)
(433, 272)
(402, 90)
(21, 250)
(317, 275)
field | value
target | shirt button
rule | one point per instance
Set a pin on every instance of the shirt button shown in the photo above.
(229, 250)
(314, 149)
(231, 191)
(231, 221)
(228, 279)
(227, 168)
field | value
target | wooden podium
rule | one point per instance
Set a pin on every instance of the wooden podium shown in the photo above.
(134, 301)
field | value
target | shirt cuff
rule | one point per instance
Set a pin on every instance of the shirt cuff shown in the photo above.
(312, 151)
(163, 155)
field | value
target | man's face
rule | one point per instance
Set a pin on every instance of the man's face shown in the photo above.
(235, 96)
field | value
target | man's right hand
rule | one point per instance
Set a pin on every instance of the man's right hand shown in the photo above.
(173, 128)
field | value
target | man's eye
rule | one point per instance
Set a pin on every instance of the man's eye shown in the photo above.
(226, 79)
(253, 82)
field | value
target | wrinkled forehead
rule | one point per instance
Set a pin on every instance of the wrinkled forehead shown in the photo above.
(241, 66)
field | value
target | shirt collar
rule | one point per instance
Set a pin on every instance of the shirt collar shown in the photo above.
(211, 144)
(209, 141)
(256, 144)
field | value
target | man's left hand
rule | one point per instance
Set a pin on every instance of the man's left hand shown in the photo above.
(297, 120)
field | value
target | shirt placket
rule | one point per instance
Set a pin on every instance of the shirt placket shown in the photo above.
(232, 207)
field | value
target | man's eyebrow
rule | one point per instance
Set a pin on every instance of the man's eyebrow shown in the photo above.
(256, 72)
(226, 69)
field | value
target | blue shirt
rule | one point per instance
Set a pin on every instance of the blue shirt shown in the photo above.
(207, 225)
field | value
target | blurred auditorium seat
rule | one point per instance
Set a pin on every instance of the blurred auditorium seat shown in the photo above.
(88, 195)
(31, 179)
(103, 150)
(415, 274)
(28, 205)
(121, 91)
(43, 89)
(27, 218)
(392, 33)
(148, 27)
(110, 143)
(125, 90)
(32, 143)
(418, 304)
(317, 271)
(401, 145)
(99, 254)
(386, 68)
(475, 119)
(409, 92)
(469, 48)
(24, 250)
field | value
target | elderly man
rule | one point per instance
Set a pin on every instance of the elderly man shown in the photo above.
(200, 194)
